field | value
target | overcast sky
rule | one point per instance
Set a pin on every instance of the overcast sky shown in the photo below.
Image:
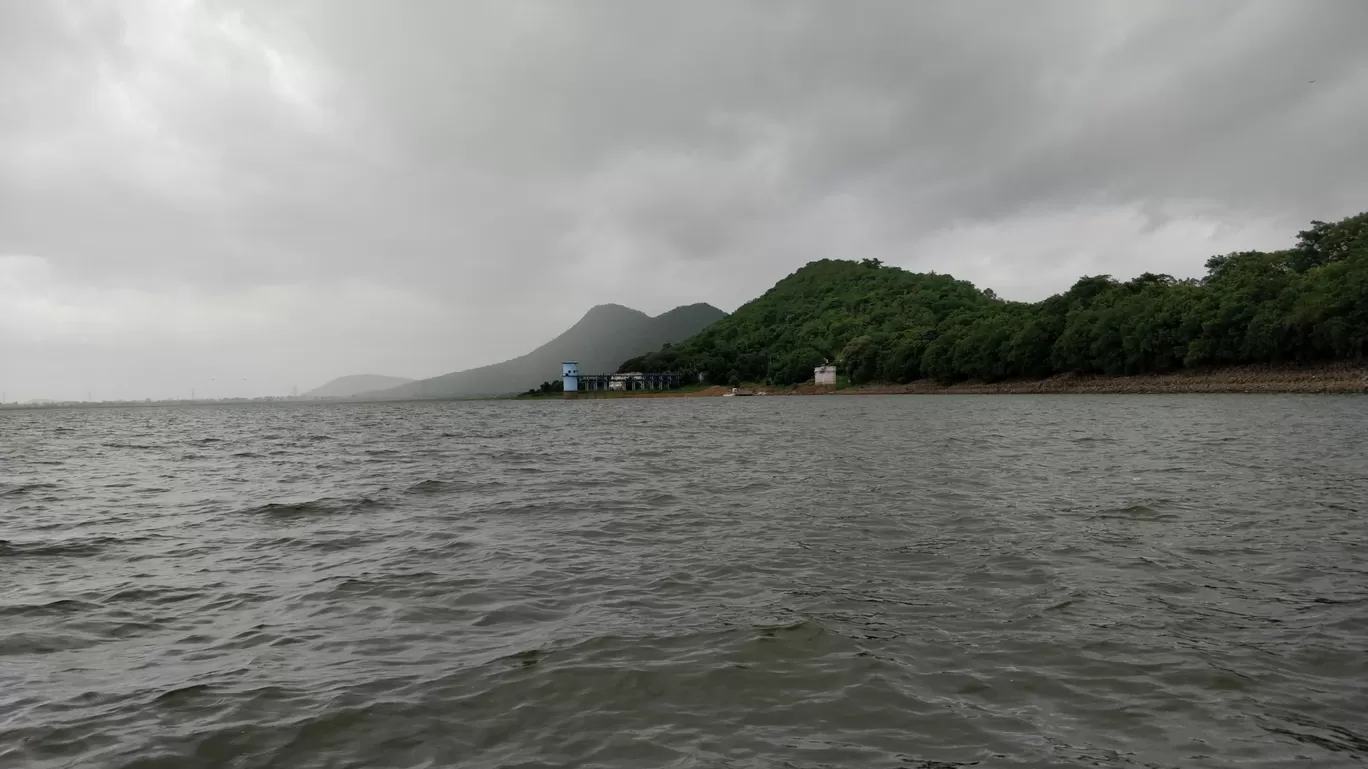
(238, 196)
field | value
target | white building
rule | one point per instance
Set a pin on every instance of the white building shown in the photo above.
(824, 375)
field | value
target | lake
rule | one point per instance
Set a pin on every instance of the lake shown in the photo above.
(1043, 581)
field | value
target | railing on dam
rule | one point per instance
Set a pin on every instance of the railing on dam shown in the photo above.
(629, 381)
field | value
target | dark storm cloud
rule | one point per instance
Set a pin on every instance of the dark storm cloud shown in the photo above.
(488, 169)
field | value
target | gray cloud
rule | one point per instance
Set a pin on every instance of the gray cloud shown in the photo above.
(323, 187)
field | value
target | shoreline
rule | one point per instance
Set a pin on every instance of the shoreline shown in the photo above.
(1219, 382)
(1329, 379)
(1230, 380)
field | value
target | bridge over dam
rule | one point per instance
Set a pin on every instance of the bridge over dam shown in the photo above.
(573, 382)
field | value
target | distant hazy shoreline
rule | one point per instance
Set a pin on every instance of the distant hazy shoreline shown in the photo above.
(1326, 379)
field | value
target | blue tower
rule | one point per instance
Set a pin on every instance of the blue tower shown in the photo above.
(570, 376)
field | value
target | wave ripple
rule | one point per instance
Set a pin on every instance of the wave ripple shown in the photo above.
(876, 582)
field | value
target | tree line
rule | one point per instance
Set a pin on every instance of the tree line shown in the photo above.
(546, 388)
(1305, 304)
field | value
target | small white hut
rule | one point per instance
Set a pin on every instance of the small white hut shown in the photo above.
(824, 375)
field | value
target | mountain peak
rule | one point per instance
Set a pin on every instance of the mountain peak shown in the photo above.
(690, 309)
(615, 310)
(607, 335)
(355, 384)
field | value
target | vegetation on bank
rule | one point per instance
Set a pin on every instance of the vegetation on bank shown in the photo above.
(1307, 304)
(547, 388)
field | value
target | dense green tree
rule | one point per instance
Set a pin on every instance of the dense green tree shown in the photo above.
(547, 387)
(880, 323)
(1324, 243)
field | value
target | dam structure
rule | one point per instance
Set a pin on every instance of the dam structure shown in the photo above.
(574, 383)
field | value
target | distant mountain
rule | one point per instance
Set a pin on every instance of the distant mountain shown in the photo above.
(347, 386)
(605, 337)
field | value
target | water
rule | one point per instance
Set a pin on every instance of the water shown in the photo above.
(762, 582)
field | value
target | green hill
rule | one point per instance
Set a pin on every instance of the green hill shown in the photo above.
(604, 337)
(1308, 303)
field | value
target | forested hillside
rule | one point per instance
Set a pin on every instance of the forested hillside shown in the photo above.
(1306, 304)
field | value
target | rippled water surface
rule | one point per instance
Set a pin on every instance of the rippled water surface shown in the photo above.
(761, 582)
